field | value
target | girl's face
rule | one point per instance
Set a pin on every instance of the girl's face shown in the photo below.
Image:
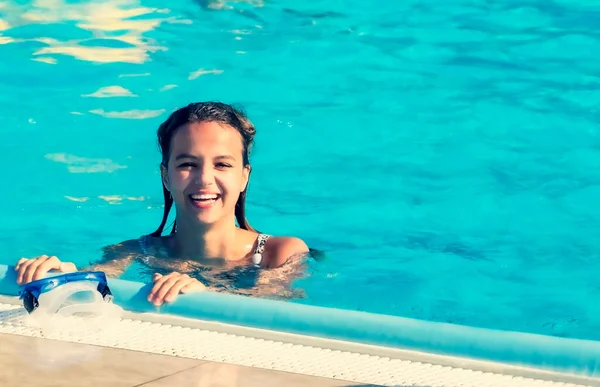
(205, 172)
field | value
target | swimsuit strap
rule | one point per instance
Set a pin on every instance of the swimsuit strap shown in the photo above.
(260, 247)
(262, 241)
(256, 258)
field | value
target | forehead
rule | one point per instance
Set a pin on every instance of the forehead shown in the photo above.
(206, 138)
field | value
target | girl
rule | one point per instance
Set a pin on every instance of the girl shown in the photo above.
(205, 171)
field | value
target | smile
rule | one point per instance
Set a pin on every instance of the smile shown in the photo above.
(204, 200)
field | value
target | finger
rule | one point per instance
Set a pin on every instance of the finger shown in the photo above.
(52, 263)
(156, 276)
(183, 282)
(20, 262)
(158, 283)
(28, 268)
(167, 286)
(67, 267)
(35, 269)
(193, 287)
(21, 269)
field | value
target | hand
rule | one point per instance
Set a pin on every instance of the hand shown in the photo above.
(167, 287)
(35, 268)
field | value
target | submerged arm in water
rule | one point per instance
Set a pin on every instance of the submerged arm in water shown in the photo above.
(267, 283)
(277, 282)
(115, 259)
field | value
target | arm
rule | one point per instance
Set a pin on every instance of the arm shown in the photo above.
(286, 262)
(116, 258)
(283, 250)
(114, 261)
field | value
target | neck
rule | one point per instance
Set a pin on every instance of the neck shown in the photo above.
(198, 241)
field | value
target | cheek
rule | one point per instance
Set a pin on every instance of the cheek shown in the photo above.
(231, 183)
(179, 179)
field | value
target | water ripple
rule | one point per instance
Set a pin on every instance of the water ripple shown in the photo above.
(452, 146)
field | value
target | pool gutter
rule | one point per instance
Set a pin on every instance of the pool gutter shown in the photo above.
(412, 342)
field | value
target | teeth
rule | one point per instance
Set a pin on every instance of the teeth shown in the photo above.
(204, 197)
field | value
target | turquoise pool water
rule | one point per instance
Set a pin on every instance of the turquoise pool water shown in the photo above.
(446, 157)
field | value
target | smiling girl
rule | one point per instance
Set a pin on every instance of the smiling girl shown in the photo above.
(205, 172)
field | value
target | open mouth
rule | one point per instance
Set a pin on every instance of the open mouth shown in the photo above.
(204, 199)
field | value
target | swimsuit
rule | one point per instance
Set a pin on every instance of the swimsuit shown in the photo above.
(261, 241)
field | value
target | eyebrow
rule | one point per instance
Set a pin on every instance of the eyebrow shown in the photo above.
(189, 156)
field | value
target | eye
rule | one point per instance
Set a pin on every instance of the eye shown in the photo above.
(223, 165)
(186, 165)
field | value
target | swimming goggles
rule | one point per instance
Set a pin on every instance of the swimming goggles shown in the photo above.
(31, 291)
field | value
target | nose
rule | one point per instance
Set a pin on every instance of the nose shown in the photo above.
(205, 175)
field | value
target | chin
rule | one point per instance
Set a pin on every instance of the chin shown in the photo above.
(206, 219)
(206, 222)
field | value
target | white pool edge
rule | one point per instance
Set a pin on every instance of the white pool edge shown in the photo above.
(344, 360)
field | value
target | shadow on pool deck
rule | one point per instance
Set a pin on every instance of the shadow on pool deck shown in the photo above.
(28, 360)
(226, 375)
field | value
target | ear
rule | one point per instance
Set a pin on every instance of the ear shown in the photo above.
(245, 177)
(165, 176)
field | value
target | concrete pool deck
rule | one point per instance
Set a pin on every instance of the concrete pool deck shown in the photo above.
(102, 366)
(145, 349)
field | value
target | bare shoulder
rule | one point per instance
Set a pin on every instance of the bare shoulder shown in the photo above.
(281, 248)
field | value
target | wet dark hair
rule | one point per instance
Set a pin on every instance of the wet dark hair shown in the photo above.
(205, 112)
